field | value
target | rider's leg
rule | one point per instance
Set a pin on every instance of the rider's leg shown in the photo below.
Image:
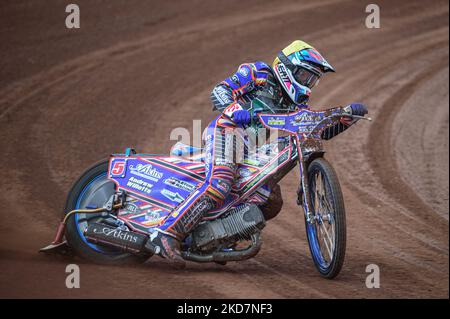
(274, 203)
(220, 171)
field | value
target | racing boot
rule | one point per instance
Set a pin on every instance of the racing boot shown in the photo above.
(167, 247)
(166, 242)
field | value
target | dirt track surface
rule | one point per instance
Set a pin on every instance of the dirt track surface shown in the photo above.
(137, 69)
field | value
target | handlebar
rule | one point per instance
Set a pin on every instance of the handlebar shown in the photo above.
(305, 121)
(361, 117)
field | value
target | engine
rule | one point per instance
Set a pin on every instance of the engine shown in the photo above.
(239, 223)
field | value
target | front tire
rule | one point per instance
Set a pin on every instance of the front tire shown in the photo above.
(92, 190)
(327, 235)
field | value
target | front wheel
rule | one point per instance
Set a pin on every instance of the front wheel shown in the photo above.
(327, 234)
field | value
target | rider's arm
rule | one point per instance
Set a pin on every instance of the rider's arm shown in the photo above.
(230, 90)
(221, 97)
(345, 122)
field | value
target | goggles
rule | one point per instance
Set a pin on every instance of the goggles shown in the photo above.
(306, 77)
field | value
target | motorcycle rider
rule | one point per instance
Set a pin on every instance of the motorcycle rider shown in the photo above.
(284, 87)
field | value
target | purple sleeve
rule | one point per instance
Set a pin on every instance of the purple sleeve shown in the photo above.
(243, 81)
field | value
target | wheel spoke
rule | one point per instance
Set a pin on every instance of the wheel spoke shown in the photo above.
(329, 251)
(318, 193)
(328, 236)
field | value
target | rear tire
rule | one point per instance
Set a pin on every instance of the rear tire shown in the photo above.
(82, 194)
(330, 215)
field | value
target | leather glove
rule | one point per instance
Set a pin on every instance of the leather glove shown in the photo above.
(241, 117)
(356, 109)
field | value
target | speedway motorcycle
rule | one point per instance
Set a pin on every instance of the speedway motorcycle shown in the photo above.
(114, 207)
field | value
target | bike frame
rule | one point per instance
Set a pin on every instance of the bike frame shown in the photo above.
(306, 127)
(303, 143)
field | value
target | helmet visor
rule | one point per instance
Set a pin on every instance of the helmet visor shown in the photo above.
(306, 77)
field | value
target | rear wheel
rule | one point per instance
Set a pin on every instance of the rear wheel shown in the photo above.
(92, 190)
(327, 235)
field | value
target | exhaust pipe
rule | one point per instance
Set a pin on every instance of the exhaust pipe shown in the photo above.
(127, 241)
(135, 243)
(223, 257)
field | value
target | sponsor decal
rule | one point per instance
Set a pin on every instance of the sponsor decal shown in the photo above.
(208, 163)
(284, 75)
(306, 128)
(152, 217)
(243, 71)
(180, 184)
(130, 208)
(116, 233)
(173, 196)
(222, 95)
(118, 168)
(235, 79)
(306, 118)
(276, 121)
(283, 157)
(201, 207)
(139, 185)
(220, 161)
(221, 185)
(208, 156)
(146, 171)
(243, 172)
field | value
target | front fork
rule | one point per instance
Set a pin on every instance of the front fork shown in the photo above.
(304, 199)
(303, 196)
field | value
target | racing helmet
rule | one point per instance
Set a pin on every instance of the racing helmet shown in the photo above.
(298, 68)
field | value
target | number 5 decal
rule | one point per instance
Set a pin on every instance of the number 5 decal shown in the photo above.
(118, 168)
